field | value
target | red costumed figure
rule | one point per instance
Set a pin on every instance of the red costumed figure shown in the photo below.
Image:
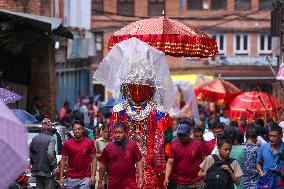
(140, 74)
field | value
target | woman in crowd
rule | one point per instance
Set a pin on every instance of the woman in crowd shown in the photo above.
(250, 176)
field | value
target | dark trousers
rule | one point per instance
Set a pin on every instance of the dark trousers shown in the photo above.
(44, 182)
(173, 185)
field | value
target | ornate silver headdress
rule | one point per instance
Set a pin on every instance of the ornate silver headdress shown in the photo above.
(133, 61)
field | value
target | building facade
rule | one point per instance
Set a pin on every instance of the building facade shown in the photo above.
(240, 27)
(74, 57)
(27, 52)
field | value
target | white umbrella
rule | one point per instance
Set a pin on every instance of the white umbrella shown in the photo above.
(13, 147)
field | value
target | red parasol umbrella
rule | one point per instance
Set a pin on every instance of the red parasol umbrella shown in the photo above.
(217, 90)
(170, 36)
(253, 105)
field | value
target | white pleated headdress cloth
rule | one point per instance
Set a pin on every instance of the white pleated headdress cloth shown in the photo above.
(134, 61)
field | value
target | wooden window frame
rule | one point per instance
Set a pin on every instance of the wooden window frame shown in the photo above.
(197, 9)
(100, 12)
(156, 3)
(242, 51)
(126, 2)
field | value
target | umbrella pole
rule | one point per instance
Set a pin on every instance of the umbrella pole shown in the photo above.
(262, 102)
(276, 107)
(277, 113)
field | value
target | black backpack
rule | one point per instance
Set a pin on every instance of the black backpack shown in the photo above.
(218, 178)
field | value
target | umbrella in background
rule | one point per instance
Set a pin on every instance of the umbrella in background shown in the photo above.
(24, 117)
(217, 91)
(253, 105)
(170, 36)
(13, 145)
(9, 97)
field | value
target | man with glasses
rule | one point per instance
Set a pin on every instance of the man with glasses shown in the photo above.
(185, 157)
(80, 153)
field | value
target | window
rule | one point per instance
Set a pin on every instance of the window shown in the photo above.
(264, 44)
(242, 5)
(155, 7)
(97, 7)
(194, 4)
(221, 42)
(125, 7)
(265, 4)
(218, 4)
(99, 43)
(241, 44)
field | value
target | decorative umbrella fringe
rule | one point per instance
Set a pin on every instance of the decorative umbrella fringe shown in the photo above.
(178, 45)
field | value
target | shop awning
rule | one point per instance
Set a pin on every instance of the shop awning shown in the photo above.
(43, 23)
(192, 78)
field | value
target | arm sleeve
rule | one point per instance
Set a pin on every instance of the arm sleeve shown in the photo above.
(93, 148)
(203, 150)
(64, 151)
(104, 157)
(208, 162)
(259, 156)
(172, 152)
(236, 168)
(51, 152)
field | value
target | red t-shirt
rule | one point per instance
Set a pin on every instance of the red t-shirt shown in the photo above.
(79, 157)
(121, 165)
(187, 158)
(242, 128)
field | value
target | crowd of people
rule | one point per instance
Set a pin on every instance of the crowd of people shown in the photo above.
(251, 154)
(242, 155)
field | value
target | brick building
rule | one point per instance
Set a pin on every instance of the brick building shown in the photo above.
(27, 52)
(241, 29)
(37, 7)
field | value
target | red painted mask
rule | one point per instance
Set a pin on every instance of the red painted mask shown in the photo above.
(140, 93)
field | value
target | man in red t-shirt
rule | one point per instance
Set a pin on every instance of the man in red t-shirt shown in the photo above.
(80, 153)
(184, 160)
(243, 123)
(120, 156)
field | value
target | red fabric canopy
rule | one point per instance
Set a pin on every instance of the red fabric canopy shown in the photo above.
(217, 90)
(253, 105)
(170, 36)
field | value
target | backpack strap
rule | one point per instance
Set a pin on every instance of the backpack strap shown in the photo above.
(229, 161)
(215, 157)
